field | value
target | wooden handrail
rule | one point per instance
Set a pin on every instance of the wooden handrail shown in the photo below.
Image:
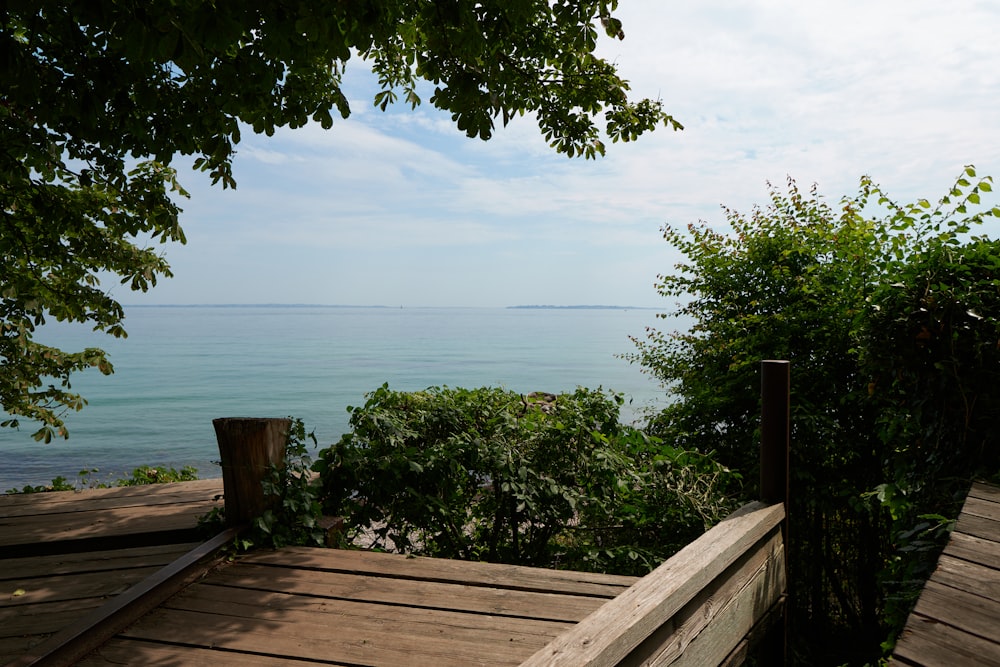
(610, 634)
(75, 641)
(734, 576)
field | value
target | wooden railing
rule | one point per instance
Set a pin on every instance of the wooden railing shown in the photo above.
(717, 597)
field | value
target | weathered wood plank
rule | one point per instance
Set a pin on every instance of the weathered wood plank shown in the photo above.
(970, 577)
(104, 522)
(91, 561)
(957, 618)
(318, 624)
(452, 571)
(987, 509)
(609, 634)
(930, 643)
(974, 549)
(709, 627)
(267, 605)
(736, 619)
(985, 491)
(430, 594)
(74, 586)
(39, 524)
(12, 647)
(960, 609)
(979, 526)
(314, 641)
(120, 651)
(68, 502)
(52, 602)
(45, 618)
(766, 641)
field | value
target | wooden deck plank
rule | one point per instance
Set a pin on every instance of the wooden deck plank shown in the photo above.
(68, 502)
(95, 627)
(407, 624)
(452, 571)
(269, 605)
(122, 651)
(115, 521)
(314, 641)
(44, 618)
(974, 549)
(985, 491)
(956, 621)
(429, 594)
(981, 507)
(76, 586)
(969, 577)
(12, 569)
(40, 524)
(961, 609)
(929, 643)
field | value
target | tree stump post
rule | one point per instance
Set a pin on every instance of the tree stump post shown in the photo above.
(247, 446)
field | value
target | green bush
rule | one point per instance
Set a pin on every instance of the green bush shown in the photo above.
(890, 315)
(488, 474)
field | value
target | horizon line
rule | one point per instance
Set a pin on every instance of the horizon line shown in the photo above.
(337, 305)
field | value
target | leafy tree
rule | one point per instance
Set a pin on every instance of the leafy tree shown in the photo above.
(99, 97)
(888, 315)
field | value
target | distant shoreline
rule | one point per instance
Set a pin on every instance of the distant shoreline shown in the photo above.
(548, 307)
(346, 306)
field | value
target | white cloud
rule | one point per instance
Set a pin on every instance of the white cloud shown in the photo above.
(401, 207)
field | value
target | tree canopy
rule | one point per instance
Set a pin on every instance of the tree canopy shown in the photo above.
(99, 97)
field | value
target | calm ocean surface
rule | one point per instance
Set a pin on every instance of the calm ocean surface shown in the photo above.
(181, 367)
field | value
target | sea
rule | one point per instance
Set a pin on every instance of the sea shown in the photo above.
(183, 366)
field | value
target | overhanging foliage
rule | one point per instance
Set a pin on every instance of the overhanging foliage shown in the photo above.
(99, 97)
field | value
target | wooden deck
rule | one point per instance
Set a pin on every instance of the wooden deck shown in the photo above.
(957, 619)
(64, 601)
(65, 557)
(36, 524)
(325, 606)
(65, 554)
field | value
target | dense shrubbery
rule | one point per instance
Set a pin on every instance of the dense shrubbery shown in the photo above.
(488, 474)
(890, 315)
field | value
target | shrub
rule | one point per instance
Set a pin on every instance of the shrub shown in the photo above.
(488, 474)
(890, 315)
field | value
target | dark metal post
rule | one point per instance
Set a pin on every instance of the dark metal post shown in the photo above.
(775, 384)
(775, 436)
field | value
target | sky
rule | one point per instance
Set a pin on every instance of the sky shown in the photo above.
(401, 209)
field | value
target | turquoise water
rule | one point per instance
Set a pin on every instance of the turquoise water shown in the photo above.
(181, 367)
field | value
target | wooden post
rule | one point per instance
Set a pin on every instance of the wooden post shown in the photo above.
(775, 438)
(775, 383)
(247, 447)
